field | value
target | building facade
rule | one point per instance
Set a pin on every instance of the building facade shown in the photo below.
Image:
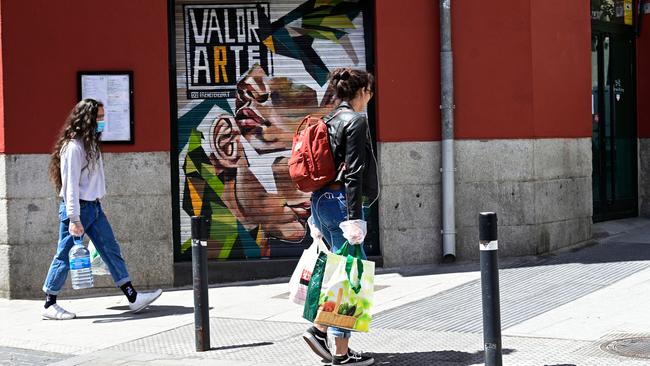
(219, 87)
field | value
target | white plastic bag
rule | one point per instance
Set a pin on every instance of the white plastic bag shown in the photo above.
(313, 230)
(97, 264)
(299, 282)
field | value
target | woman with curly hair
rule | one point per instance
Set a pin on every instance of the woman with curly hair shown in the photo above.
(77, 172)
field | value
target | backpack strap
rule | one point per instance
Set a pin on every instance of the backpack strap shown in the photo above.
(304, 120)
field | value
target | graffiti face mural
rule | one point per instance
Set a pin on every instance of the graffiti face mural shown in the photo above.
(237, 119)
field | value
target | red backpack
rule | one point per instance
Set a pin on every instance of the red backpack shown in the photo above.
(311, 165)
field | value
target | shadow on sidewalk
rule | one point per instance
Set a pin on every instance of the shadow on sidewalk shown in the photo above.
(238, 346)
(626, 240)
(432, 358)
(611, 252)
(153, 311)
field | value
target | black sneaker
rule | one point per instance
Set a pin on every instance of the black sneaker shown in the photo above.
(353, 358)
(317, 340)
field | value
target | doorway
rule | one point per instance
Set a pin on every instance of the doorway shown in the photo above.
(614, 137)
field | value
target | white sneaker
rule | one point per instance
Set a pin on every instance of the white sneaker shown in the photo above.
(144, 299)
(55, 312)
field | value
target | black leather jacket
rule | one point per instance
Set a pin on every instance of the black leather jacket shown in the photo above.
(353, 156)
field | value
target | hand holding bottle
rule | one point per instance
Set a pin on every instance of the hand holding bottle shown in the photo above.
(76, 229)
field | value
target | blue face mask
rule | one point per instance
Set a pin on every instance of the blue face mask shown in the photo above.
(100, 126)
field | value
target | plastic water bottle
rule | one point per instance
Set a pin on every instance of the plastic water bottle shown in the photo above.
(80, 271)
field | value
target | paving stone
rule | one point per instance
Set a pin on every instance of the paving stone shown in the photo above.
(27, 357)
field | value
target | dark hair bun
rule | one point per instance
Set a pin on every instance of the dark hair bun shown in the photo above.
(347, 82)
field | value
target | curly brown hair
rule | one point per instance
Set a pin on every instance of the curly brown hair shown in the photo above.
(81, 124)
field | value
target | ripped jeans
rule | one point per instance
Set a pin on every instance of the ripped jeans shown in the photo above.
(329, 208)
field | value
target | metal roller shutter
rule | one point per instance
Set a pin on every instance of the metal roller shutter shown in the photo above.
(247, 73)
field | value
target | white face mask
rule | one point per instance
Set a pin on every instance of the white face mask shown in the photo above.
(261, 165)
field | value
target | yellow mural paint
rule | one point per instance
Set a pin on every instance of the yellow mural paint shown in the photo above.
(260, 238)
(627, 8)
(263, 243)
(190, 167)
(220, 62)
(320, 3)
(332, 21)
(197, 202)
(268, 42)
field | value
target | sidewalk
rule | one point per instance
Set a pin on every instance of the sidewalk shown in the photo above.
(560, 309)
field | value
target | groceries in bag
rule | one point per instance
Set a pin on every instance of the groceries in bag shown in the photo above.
(344, 297)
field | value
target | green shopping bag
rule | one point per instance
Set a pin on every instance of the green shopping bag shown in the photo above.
(346, 290)
(313, 290)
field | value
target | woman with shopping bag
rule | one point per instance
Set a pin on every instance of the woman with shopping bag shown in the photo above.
(337, 209)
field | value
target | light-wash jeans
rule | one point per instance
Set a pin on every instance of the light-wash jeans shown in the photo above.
(329, 208)
(100, 232)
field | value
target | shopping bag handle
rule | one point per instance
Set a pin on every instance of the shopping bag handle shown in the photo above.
(320, 245)
(344, 250)
(349, 262)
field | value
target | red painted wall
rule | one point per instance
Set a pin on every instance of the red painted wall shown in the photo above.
(521, 69)
(492, 75)
(2, 98)
(45, 43)
(561, 59)
(643, 79)
(407, 57)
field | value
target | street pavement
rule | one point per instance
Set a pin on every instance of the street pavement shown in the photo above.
(27, 357)
(579, 307)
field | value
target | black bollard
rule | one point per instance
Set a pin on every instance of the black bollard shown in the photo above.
(200, 282)
(487, 236)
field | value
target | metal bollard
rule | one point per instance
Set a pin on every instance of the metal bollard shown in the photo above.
(487, 236)
(200, 282)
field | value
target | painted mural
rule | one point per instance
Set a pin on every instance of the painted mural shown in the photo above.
(251, 72)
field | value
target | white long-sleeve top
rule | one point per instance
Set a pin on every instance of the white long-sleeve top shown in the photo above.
(78, 183)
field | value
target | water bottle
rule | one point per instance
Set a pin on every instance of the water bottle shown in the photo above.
(80, 271)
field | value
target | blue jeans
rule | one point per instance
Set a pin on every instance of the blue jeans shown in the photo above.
(329, 208)
(100, 232)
